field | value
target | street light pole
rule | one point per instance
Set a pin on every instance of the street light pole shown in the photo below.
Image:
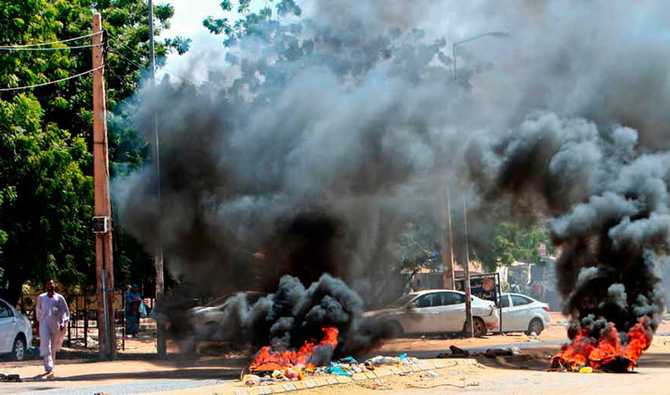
(468, 330)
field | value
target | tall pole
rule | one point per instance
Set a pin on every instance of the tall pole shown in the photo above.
(466, 272)
(447, 246)
(104, 258)
(161, 345)
(466, 265)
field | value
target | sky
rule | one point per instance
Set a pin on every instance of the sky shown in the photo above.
(188, 17)
(187, 22)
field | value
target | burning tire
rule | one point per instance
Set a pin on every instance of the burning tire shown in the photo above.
(536, 326)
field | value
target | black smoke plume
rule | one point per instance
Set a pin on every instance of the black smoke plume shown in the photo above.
(609, 206)
(309, 148)
(295, 314)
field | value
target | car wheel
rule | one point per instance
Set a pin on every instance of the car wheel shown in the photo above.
(478, 327)
(535, 326)
(19, 349)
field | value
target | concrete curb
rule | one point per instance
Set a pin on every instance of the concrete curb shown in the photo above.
(324, 381)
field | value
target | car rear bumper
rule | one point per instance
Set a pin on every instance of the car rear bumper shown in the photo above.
(492, 322)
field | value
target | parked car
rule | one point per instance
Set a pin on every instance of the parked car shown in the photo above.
(207, 318)
(521, 313)
(435, 311)
(16, 333)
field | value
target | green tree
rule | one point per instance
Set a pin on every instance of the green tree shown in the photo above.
(46, 188)
(513, 241)
(418, 248)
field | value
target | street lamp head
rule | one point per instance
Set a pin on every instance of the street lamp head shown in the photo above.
(501, 34)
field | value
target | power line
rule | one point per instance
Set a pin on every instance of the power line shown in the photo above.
(125, 58)
(53, 42)
(49, 49)
(51, 82)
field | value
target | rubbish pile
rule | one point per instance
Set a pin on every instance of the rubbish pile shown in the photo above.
(90, 343)
(343, 367)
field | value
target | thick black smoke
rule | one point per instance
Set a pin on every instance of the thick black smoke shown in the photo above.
(306, 152)
(295, 314)
(313, 171)
(609, 206)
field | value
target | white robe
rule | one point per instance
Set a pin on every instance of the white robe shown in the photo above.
(52, 313)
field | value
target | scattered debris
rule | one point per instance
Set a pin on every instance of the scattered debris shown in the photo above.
(12, 378)
(498, 352)
(429, 373)
(343, 367)
(377, 384)
(251, 380)
(90, 343)
(455, 352)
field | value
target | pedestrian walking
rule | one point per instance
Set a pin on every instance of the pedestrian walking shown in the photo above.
(52, 316)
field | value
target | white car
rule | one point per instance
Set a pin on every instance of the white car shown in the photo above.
(16, 333)
(521, 313)
(208, 319)
(435, 311)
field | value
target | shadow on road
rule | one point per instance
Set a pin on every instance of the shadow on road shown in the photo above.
(191, 374)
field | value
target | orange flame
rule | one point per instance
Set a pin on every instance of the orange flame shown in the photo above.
(584, 350)
(291, 362)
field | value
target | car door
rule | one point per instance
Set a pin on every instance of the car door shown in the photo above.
(453, 311)
(7, 328)
(423, 315)
(506, 325)
(519, 313)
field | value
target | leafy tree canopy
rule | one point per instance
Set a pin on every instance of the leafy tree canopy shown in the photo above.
(46, 188)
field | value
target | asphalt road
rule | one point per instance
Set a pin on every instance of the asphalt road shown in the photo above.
(126, 388)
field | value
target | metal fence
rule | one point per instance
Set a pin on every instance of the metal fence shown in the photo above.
(82, 329)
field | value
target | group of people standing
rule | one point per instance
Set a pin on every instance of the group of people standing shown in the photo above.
(52, 315)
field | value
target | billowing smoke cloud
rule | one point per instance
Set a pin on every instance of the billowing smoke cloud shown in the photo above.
(333, 134)
(312, 172)
(609, 206)
(295, 314)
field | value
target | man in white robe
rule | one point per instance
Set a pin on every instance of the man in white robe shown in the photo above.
(52, 315)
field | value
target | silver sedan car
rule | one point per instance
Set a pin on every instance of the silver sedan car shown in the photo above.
(16, 333)
(521, 313)
(435, 311)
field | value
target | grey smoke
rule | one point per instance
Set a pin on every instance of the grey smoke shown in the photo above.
(319, 161)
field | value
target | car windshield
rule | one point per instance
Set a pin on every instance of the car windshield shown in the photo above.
(401, 301)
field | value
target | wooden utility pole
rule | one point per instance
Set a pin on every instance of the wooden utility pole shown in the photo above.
(104, 259)
(447, 247)
(161, 345)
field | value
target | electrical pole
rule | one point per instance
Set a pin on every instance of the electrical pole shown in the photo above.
(466, 265)
(104, 258)
(161, 345)
(466, 272)
(447, 247)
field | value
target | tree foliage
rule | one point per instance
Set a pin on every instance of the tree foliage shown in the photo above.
(513, 241)
(46, 188)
